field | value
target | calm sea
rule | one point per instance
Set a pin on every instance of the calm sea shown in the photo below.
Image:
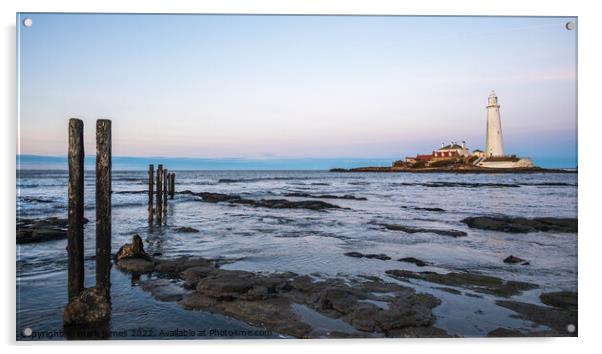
(306, 241)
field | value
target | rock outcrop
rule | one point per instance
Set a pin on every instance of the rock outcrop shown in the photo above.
(286, 302)
(317, 205)
(560, 320)
(381, 256)
(566, 300)
(416, 261)
(521, 225)
(89, 307)
(41, 230)
(480, 283)
(132, 250)
(515, 260)
(413, 230)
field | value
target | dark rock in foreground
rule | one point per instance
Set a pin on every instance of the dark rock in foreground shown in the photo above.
(521, 225)
(557, 319)
(89, 307)
(566, 300)
(285, 302)
(413, 230)
(263, 203)
(40, 230)
(477, 282)
(274, 301)
(501, 332)
(132, 250)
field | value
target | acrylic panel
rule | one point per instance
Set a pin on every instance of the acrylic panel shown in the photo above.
(190, 176)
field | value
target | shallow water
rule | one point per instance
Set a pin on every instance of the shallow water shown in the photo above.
(306, 241)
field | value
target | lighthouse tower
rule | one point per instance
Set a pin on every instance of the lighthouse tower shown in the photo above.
(494, 145)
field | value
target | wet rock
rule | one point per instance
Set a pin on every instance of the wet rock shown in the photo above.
(407, 312)
(41, 230)
(35, 200)
(419, 332)
(136, 265)
(130, 192)
(163, 289)
(522, 225)
(501, 332)
(337, 298)
(381, 256)
(89, 307)
(450, 290)
(132, 250)
(287, 204)
(566, 300)
(514, 260)
(267, 300)
(264, 203)
(186, 229)
(416, 261)
(477, 282)
(178, 265)
(303, 283)
(192, 275)
(368, 308)
(364, 315)
(458, 185)
(439, 210)
(557, 319)
(413, 230)
(324, 196)
(354, 254)
(226, 285)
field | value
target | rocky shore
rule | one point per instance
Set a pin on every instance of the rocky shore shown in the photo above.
(311, 306)
(453, 169)
(41, 230)
(286, 303)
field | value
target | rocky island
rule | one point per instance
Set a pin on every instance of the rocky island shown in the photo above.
(457, 158)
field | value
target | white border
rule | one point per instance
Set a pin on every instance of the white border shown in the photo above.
(589, 186)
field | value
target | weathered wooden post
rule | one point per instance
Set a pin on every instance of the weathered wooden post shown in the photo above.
(165, 186)
(103, 207)
(169, 184)
(75, 231)
(159, 208)
(151, 179)
(172, 185)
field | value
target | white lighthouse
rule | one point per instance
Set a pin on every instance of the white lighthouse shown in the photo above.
(494, 143)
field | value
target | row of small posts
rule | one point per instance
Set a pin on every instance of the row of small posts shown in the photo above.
(75, 241)
(166, 185)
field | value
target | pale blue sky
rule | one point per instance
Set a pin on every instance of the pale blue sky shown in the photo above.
(297, 86)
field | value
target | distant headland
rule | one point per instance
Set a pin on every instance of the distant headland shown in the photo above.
(457, 158)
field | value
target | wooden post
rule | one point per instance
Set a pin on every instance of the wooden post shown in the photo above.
(172, 185)
(103, 206)
(75, 231)
(151, 179)
(169, 184)
(165, 193)
(159, 203)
